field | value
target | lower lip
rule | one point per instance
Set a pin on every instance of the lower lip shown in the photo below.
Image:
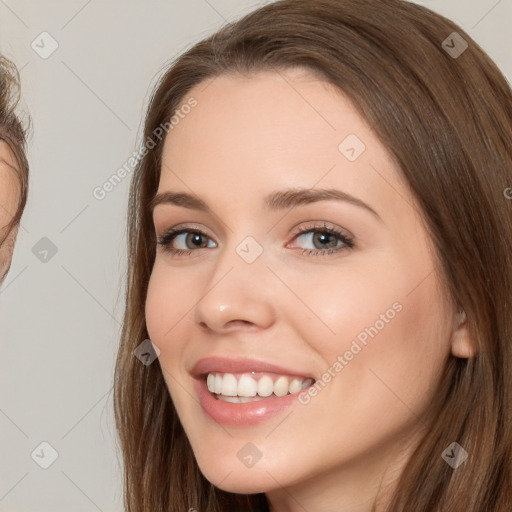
(241, 414)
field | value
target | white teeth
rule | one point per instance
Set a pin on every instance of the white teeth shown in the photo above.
(281, 386)
(239, 399)
(248, 389)
(247, 386)
(210, 382)
(295, 385)
(218, 383)
(229, 385)
(245, 399)
(232, 399)
(265, 386)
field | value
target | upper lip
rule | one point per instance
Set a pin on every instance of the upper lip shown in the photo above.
(216, 364)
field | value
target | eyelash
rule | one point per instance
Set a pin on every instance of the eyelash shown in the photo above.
(348, 243)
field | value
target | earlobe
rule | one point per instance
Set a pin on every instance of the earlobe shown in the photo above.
(462, 344)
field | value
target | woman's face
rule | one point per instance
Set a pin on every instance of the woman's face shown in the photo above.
(9, 197)
(362, 313)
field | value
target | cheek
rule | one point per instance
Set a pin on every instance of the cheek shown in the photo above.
(391, 331)
(406, 357)
(167, 303)
(338, 303)
(154, 309)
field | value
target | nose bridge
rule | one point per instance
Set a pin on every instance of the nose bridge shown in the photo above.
(238, 288)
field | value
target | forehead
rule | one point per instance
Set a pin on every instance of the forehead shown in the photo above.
(253, 134)
(267, 114)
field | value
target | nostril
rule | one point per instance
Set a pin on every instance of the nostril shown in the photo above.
(236, 324)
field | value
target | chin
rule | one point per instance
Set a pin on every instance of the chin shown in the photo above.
(239, 480)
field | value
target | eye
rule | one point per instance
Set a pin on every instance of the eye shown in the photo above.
(183, 236)
(329, 239)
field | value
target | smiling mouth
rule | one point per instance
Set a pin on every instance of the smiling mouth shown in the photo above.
(253, 386)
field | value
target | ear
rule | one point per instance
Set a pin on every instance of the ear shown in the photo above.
(462, 344)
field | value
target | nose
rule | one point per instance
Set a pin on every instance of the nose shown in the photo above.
(237, 296)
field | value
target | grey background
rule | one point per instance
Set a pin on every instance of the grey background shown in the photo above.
(60, 314)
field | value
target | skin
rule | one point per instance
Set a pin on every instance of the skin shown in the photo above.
(247, 137)
(9, 197)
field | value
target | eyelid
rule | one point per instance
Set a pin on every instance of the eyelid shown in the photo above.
(321, 224)
(184, 225)
(298, 230)
(345, 236)
(180, 229)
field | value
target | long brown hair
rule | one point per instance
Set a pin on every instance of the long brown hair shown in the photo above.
(13, 132)
(447, 121)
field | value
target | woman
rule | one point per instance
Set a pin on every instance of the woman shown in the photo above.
(13, 164)
(319, 252)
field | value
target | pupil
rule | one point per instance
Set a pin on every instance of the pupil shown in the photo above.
(196, 237)
(324, 236)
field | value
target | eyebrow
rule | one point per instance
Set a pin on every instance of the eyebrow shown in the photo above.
(276, 201)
